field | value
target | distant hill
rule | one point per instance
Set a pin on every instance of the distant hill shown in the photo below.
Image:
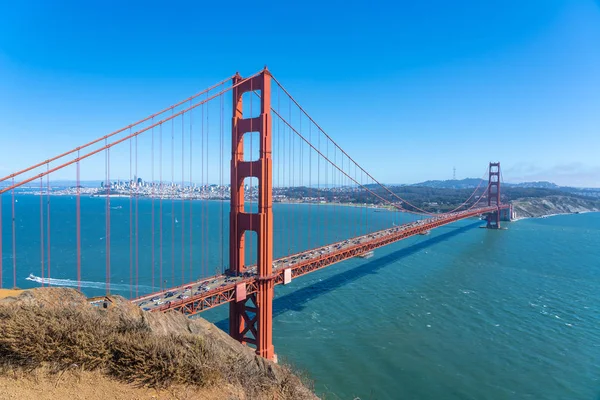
(474, 182)
(451, 183)
(539, 185)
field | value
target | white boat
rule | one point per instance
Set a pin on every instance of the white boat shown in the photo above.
(368, 254)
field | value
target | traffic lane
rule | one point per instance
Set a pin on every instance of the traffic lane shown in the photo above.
(186, 292)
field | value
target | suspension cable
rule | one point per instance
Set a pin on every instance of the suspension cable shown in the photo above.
(109, 145)
(115, 132)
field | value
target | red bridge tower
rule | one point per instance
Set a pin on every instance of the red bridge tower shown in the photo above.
(493, 219)
(251, 317)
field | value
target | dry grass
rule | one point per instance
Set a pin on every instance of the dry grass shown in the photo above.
(122, 344)
(76, 384)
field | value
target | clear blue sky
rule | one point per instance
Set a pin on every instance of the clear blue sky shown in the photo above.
(433, 84)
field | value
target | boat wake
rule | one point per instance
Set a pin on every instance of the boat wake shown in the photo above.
(85, 284)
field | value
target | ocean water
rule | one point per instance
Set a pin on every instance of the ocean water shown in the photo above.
(464, 313)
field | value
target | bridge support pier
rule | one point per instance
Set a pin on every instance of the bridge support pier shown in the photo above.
(493, 220)
(251, 318)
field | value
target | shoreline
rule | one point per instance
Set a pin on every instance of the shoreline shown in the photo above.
(544, 216)
(366, 206)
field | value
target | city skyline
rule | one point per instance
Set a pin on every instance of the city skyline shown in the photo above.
(95, 183)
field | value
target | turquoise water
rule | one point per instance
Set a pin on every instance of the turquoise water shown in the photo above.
(464, 313)
(208, 241)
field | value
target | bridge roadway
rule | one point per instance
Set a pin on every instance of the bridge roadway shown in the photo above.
(201, 295)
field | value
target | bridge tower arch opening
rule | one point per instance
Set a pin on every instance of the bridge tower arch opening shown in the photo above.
(251, 316)
(493, 219)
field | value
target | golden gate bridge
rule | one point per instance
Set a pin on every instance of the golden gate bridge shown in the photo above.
(238, 257)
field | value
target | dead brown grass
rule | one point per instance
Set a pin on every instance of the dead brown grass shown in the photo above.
(89, 385)
(159, 351)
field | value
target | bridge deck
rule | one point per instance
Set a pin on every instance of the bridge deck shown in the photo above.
(201, 295)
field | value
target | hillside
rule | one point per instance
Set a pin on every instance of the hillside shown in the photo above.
(474, 182)
(549, 205)
(450, 183)
(55, 345)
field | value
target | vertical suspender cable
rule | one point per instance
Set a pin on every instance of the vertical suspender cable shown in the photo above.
(153, 194)
(319, 179)
(206, 171)
(309, 184)
(279, 162)
(292, 172)
(107, 239)
(172, 195)
(342, 181)
(160, 208)
(279, 157)
(222, 183)
(202, 190)
(336, 229)
(48, 222)
(357, 191)
(283, 158)
(191, 195)
(290, 184)
(41, 229)
(335, 183)
(362, 221)
(78, 217)
(14, 239)
(300, 175)
(182, 192)
(137, 226)
(367, 212)
(131, 184)
(327, 234)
